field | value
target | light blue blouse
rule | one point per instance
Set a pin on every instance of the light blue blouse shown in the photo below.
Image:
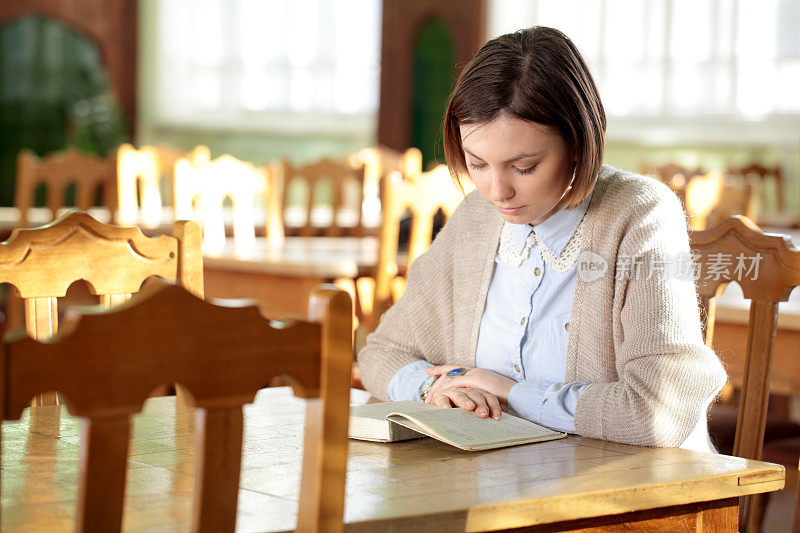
(523, 332)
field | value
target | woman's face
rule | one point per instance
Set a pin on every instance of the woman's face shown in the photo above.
(522, 168)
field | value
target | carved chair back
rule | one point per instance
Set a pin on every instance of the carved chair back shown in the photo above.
(57, 172)
(767, 268)
(106, 364)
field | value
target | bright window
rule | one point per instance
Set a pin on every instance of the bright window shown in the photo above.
(724, 60)
(268, 63)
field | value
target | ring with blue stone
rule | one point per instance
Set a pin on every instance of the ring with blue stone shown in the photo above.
(456, 372)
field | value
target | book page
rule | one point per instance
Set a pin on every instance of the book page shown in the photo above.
(465, 430)
(368, 422)
(378, 411)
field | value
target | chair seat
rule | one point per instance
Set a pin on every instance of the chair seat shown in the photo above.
(722, 428)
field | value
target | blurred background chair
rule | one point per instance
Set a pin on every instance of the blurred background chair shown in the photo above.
(144, 177)
(67, 179)
(702, 195)
(204, 189)
(42, 264)
(422, 197)
(108, 364)
(675, 176)
(712, 198)
(324, 198)
(767, 268)
(770, 182)
(379, 161)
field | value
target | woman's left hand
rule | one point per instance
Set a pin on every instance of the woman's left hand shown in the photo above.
(480, 378)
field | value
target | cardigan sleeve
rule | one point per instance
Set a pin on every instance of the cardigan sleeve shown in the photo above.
(415, 327)
(667, 377)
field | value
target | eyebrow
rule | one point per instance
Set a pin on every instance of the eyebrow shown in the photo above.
(515, 158)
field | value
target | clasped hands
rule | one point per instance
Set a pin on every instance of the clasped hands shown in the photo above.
(479, 390)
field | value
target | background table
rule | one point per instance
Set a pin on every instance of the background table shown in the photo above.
(281, 278)
(420, 485)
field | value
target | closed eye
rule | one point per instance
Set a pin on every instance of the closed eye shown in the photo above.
(524, 170)
(477, 166)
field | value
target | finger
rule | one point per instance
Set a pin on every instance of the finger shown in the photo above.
(494, 406)
(477, 396)
(442, 401)
(459, 399)
(439, 370)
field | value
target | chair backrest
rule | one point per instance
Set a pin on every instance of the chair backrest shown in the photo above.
(756, 173)
(43, 262)
(186, 186)
(139, 181)
(675, 176)
(106, 364)
(702, 196)
(767, 268)
(712, 198)
(423, 196)
(332, 203)
(200, 192)
(379, 161)
(57, 172)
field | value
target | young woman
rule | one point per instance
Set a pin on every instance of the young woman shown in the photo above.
(552, 291)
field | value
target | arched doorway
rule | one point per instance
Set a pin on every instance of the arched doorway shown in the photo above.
(54, 91)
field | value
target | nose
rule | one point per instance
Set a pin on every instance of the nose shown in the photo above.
(500, 189)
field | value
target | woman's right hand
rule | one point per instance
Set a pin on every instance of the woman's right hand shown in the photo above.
(480, 402)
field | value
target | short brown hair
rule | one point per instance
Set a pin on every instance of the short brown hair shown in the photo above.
(535, 74)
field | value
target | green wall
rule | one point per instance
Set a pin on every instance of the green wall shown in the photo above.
(433, 81)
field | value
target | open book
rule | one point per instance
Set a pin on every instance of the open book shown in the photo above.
(393, 421)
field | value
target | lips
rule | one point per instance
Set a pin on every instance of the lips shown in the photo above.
(510, 210)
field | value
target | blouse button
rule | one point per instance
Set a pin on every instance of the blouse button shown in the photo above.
(537, 271)
(516, 367)
(566, 326)
(522, 321)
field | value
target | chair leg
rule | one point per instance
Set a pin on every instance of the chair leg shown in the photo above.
(757, 506)
(217, 467)
(796, 525)
(101, 480)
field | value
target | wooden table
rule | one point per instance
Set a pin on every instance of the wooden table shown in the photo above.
(281, 278)
(420, 485)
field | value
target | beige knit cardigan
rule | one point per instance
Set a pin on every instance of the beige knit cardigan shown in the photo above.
(637, 340)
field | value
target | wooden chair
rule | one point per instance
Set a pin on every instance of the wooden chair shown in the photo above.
(424, 196)
(735, 199)
(106, 364)
(761, 174)
(201, 189)
(329, 189)
(767, 268)
(57, 172)
(139, 181)
(41, 263)
(379, 161)
(702, 196)
(675, 176)
(756, 177)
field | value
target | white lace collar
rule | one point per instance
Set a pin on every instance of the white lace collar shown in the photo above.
(564, 225)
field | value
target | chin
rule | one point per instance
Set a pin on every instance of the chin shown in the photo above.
(519, 218)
